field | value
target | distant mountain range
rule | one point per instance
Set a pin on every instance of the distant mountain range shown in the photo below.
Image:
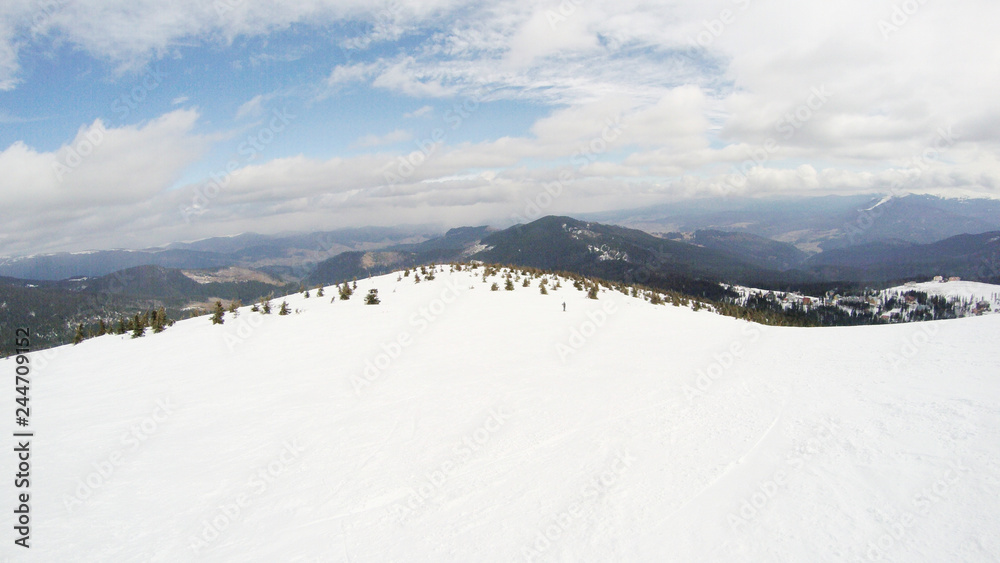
(814, 224)
(287, 256)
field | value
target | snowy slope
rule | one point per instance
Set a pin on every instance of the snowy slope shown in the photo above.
(973, 291)
(452, 423)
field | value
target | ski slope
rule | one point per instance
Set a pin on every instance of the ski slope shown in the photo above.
(453, 423)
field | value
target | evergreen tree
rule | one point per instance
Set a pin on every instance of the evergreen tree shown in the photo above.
(234, 307)
(78, 338)
(416, 277)
(306, 294)
(406, 273)
(526, 283)
(218, 314)
(121, 326)
(372, 297)
(592, 292)
(138, 329)
(161, 321)
(345, 292)
(542, 290)
(284, 308)
(255, 308)
(509, 286)
(265, 306)
(102, 328)
(355, 284)
(319, 291)
(494, 287)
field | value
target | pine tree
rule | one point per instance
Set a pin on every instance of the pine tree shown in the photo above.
(345, 292)
(355, 284)
(509, 286)
(494, 287)
(255, 308)
(592, 292)
(526, 283)
(284, 308)
(121, 326)
(319, 291)
(102, 328)
(306, 294)
(416, 277)
(265, 306)
(218, 314)
(160, 321)
(234, 307)
(406, 273)
(138, 329)
(542, 290)
(372, 297)
(78, 338)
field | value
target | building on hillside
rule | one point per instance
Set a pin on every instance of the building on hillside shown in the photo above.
(954, 278)
(939, 278)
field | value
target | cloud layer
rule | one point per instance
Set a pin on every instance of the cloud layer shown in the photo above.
(644, 103)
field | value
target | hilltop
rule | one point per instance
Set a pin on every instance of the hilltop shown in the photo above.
(450, 422)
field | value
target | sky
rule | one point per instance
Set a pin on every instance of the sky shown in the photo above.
(134, 123)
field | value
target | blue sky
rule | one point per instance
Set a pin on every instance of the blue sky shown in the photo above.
(127, 124)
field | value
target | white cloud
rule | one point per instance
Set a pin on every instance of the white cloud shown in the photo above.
(251, 108)
(391, 138)
(100, 170)
(689, 118)
(419, 112)
(346, 74)
(179, 100)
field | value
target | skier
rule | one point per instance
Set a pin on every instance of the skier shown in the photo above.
(564, 306)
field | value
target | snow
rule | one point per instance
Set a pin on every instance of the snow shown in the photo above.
(975, 291)
(880, 202)
(512, 431)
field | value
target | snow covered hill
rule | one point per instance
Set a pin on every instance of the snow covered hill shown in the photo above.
(963, 290)
(455, 423)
